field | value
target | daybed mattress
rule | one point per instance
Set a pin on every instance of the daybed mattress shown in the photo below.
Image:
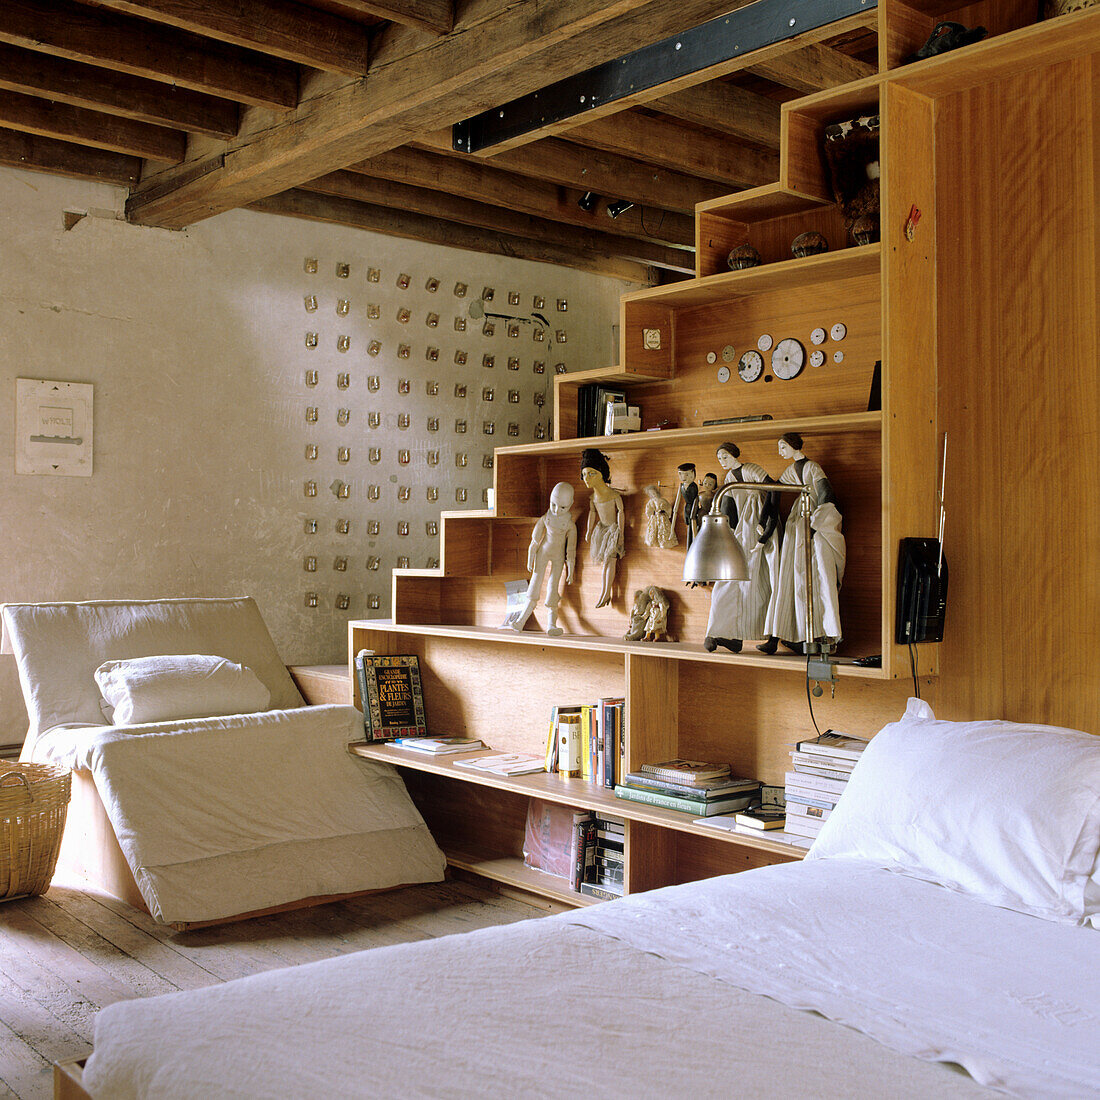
(690, 991)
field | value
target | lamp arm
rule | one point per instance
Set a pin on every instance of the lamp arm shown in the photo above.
(755, 487)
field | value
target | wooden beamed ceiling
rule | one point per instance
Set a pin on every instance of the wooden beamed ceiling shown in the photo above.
(340, 111)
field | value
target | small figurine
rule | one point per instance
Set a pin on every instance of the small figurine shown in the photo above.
(946, 36)
(738, 608)
(706, 496)
(658, 519)
(604, 530)
(648, 616)
(553, 544)
(786, 616)
(688, 492)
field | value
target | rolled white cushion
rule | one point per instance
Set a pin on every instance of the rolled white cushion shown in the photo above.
(162, 689)
(1004, 812)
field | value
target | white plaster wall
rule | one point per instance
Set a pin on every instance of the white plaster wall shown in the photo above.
(195, 344)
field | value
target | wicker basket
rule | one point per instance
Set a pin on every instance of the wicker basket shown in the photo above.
(34, 799)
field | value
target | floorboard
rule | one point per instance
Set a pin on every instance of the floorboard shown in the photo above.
(67, 954)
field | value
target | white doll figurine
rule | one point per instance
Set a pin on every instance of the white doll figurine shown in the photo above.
(738, 608)
(553, 545)
(658, 519)
(786, 618)
(604, 531)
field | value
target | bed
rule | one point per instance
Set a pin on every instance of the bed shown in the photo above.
(928, 946)
(204, 789)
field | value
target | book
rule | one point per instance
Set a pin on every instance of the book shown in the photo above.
(833, 744)
(816, 782)
(686, 771)
(611, 721)
(797, 811)
(798, 799)
(727, 823)
(580, 853)
(605, 892)
(831, 763)
(688, 805)
(392, 695)
(504, 763)
(440, 746)
(803, 826)
(710, 788)
(760, 818)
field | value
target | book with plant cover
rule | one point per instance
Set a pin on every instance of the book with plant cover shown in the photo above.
(392, 695)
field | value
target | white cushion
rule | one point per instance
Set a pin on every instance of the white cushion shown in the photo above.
(163, 689)
(1003, 812)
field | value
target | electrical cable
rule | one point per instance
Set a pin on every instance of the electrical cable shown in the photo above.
(913, 669)
(645, 229)
(809, 697)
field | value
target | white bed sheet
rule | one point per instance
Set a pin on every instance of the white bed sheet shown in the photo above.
(779, 978)
(536, 1009)
(221, 816)
(1014, 999)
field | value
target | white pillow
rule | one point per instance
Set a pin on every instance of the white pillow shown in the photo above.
(161, 689)
(1006, 813)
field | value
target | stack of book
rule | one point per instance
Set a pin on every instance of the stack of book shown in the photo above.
(440, 746)
(604, 859)
(599, 748)
(691, 786)
(821, 770)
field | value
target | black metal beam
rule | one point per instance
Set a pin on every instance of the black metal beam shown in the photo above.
(740, 32)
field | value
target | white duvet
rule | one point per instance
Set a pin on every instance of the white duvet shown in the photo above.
(690, 991)
(228, 815)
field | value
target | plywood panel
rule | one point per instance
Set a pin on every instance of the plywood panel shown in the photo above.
(1017, 199)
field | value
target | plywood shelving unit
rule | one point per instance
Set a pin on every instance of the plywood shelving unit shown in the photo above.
(905, 304)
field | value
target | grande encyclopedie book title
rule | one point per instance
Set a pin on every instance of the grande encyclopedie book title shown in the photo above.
(393, 698)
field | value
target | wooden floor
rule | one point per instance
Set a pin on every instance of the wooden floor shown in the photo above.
(65, 955)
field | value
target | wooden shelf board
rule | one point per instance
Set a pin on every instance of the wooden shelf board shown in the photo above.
(568, 792)
(772, 200)
(1039, 45)
(512, 871)
(606, 374)
(833, 104)
(838, 424)
(677, 651)
(786, 275)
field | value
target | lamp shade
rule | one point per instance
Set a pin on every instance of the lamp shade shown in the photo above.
(715, 554)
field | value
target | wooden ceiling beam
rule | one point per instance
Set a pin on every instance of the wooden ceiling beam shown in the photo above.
(419, 227)
(669, 145)
(32, 115)
(726, 108)
(813, 69)
(614, 177)
(478, 215)
(513, 47)
(39, 154)
(115, 93)
(292, 31)
(79, 33)
(482, 182)
(435, 16)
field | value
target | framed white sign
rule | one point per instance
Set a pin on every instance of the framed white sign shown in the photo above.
(53, 428)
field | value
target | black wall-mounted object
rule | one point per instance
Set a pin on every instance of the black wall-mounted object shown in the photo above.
(922, 592)
(750, 28)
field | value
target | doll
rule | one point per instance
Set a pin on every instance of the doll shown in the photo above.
(786, 617)
(553, 545)
(658, 519)
(738, 608)
(688, 492)
(604, 531)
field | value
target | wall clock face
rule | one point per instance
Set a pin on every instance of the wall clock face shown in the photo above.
(723, 373)
(728, 354)
(817, 336)
(764, 342)
(838, 331)
(817, 358)
(750, 366)
(788, 358)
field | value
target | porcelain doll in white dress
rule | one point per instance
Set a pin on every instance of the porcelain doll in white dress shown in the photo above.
(658, 520)
(786, 617)
(738, 608)
(604, 530)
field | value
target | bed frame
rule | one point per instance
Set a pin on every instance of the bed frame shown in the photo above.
(68, 1080)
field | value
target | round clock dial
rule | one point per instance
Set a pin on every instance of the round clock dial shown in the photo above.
(728, 354)
(723, 373)
(764, 343)
(750, 366)
(838, 357)
(712, 357)
(788, 358)
(838, 331)
(817, 336)
(817, 358)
